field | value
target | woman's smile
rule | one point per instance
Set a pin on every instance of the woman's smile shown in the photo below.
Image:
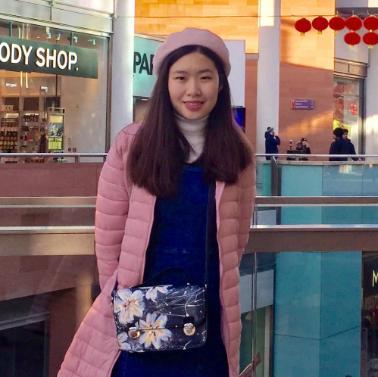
(194, 105)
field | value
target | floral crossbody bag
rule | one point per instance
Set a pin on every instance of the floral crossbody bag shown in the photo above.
(151, 318)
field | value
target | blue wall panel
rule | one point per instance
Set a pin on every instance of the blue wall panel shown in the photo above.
(299, 180)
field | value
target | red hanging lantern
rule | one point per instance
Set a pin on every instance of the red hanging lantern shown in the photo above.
(303, 25)
(352, 38)
(371, 23)
(370, 38)
(353, 108)
(337, 23)
(320, 23)
(353, 23)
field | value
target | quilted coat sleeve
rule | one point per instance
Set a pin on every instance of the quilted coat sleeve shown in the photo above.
(247, 182)
(112, 207)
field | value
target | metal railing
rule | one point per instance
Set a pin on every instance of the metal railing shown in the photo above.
(48, 202)
(53, 157)
(318, 155)
(102, 155)
(79, 240)
(310, 201)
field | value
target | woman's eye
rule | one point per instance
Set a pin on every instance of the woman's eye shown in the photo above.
(206, 78)
(179, 78)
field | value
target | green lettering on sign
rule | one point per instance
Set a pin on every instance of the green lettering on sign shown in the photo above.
(28, 56)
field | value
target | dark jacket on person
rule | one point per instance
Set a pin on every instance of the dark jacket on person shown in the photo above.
(302, 149)
(350, 148)
(271, 143)
(42, 147)
(339, 146)
(291, 151)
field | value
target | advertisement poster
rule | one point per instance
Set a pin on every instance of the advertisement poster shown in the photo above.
(55, 132)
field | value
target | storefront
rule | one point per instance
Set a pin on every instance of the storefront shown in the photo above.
(53, 89)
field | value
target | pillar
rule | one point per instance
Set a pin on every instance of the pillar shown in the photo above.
(268, 70)
(371, 123)
(122, 66)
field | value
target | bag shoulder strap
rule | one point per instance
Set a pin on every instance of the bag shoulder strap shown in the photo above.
(211, 209)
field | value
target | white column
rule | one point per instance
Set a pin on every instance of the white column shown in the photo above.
(268, 70)
(371, 122)
(122, 66)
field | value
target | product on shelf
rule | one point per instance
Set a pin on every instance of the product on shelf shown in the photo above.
(21, 131)
(30, 132)
(9, 132)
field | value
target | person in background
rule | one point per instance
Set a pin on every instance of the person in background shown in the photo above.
(306, 146)
(153, 205)
(339, 145)
(272, 141)
(303, 147)
(350, 146)
(42, 145)
(291, 150)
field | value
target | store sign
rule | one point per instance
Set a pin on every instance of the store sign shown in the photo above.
(144, 80)
(302, 104)
(143, 63)
(29, 56)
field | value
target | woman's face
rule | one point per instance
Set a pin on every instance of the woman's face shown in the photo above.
(193, 85)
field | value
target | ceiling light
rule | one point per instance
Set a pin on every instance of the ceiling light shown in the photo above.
(48, 33)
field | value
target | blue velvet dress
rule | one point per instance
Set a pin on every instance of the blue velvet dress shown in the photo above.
(178, 239)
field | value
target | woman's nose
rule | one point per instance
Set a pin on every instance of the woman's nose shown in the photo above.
(193, 87)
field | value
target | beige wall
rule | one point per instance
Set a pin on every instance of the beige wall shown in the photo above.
(316, 125)
(306, 71)
(231, 19)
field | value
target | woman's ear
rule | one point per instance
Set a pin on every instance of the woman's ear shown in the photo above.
(220, 88)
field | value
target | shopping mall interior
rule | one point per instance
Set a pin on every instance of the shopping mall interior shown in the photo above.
(74, 73)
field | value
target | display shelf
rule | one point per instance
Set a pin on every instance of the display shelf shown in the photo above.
(9, 131)
(30, 117)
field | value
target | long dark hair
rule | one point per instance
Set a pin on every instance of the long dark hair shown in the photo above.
(160, 149)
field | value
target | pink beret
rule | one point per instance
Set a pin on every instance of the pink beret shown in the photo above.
(192, 36)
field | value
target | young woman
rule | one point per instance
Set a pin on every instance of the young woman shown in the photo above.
(153, 213)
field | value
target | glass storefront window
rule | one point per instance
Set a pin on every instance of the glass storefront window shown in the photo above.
(347, 108)
(48, 112)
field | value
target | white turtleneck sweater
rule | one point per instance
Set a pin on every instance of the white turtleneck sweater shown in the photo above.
(194, 132)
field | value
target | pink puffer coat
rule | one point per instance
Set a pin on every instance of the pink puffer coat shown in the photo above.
(124, 217)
